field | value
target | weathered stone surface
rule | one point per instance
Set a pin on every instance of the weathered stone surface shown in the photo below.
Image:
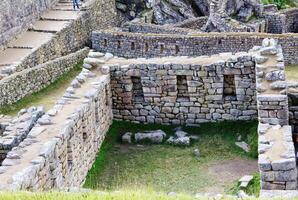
(150, 136)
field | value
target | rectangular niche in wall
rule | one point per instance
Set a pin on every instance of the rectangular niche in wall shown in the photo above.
(182, 89)
(229, 89)
(137, 89)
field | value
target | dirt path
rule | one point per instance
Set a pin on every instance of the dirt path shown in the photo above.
(228, 171)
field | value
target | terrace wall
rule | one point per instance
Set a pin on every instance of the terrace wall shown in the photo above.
(152, 45)
(16, 17)
(60, 149)
(26, 82)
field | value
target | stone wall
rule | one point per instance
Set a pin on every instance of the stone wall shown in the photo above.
(282, 22)
(152, 45)
(61, 148)
(185, 93)
(16, 17)
(276, 22)
(98, 14)
(26, 82)
(17, 130)
(291, 20)
(277, 160)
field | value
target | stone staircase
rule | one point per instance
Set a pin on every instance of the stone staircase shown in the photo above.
(40, 32)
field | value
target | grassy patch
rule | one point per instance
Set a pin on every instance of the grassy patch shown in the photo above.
(292, 72)
(45, 97)
(96, 195)
(282, 4)
(166, 168)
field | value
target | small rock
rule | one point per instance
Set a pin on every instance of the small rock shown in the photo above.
(108, 56)
(241, 194)
(181, 134)
(87, 66)
(197, 153)
(243, 145)
(126, 138)
(172, 194)
(181, 141)
(245, 180)
(194, 137)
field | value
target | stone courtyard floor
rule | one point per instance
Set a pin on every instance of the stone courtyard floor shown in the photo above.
(165, 168)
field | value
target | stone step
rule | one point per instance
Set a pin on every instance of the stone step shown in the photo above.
(49, 26)
(31, 40)
(56, 15)
(13, 56)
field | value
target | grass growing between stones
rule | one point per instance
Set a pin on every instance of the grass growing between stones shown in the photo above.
(165, 168)
(46, 97)
(292, 72)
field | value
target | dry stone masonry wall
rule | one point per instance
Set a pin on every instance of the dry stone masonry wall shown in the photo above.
(17, 17)
(17, 129)
(26, 82)
(277, 161)
(152, 45)
(185, 93)
(61, 148)
(97, 14)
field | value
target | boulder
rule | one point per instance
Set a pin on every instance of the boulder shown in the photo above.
(180, 141)
(126, 138)
(150, 136)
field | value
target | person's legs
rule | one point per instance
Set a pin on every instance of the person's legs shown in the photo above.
(75, 4)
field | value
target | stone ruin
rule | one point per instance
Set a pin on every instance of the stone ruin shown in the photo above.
(145, 73)
(210, 15)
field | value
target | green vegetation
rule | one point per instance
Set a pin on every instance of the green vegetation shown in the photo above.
(119, 195)
(292, 72)
(252, 189)
(47, 96)
(282, 4)
(165, 168)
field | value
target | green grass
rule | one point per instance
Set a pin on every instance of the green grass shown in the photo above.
(96, 195)
(45, 97)
(292, 72)
(166, 168)
(282, 4)
(252, 189)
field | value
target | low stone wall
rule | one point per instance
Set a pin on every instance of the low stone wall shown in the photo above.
(59, 151)
(277, 159)
(188, 93)
(26, 82)
(152, 45)
(17, 130)
(16, 17)
(277, 162)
